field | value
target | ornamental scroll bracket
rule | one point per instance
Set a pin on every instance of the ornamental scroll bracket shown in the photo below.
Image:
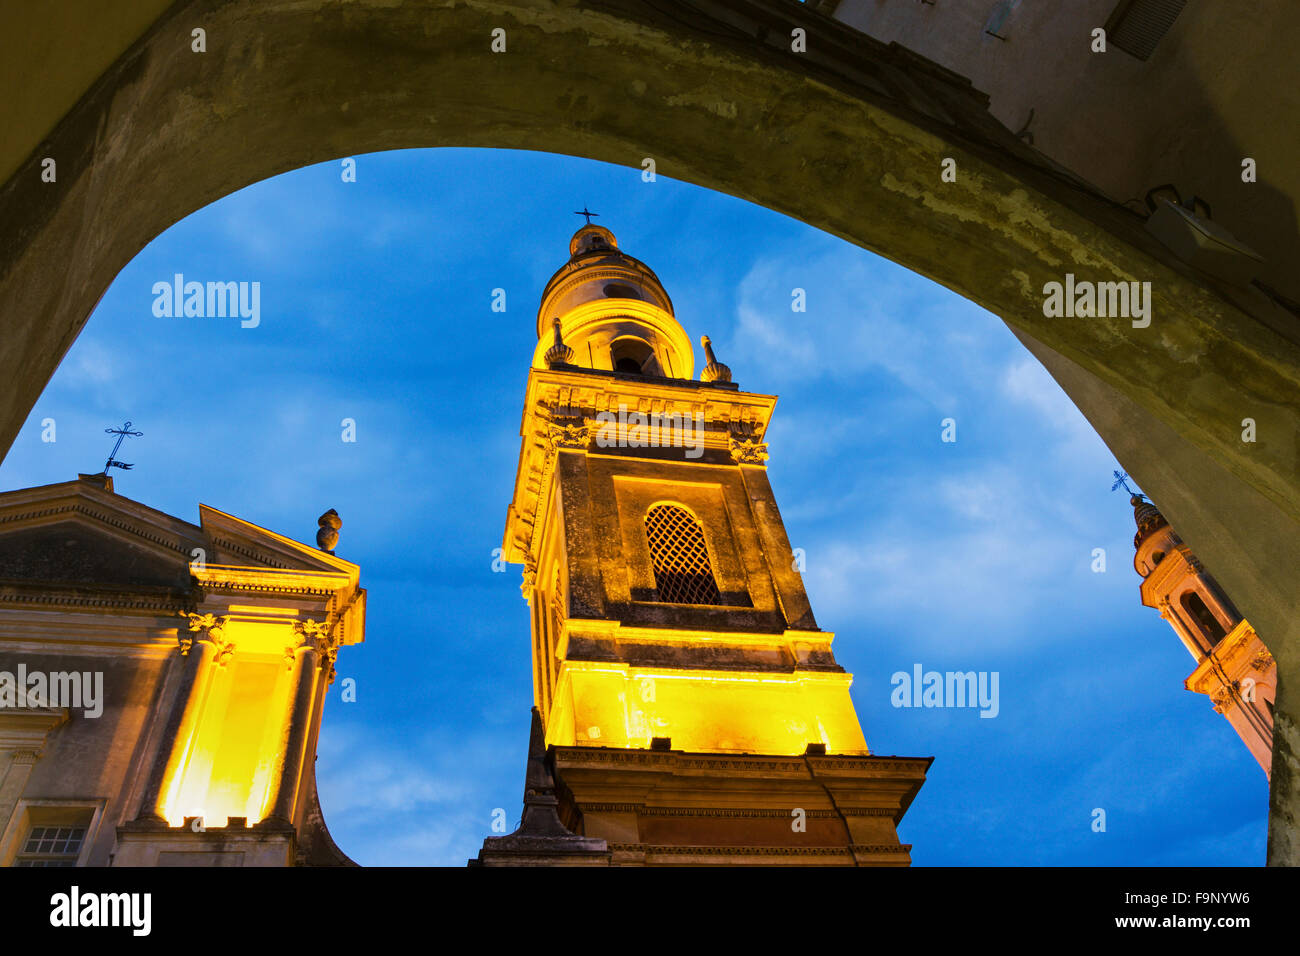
(530, 577)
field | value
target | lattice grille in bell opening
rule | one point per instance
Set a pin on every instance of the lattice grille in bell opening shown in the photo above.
(681, 557)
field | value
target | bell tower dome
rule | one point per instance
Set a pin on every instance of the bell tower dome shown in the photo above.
(613, 312)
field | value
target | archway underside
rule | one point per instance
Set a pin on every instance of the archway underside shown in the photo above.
(848, 137)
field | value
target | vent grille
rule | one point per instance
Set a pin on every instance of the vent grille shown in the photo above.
(1137, 26)
(681, 557)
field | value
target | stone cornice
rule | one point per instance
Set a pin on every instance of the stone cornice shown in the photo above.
(729, 812)
(574, 391)
(864, 765)
(612, 629)
(1239, 655)
(321, 584)
(25, 729)
(664, 849)
(668, 760)
(144, 599)
(560, 409)
(882, 765)
(690, 667)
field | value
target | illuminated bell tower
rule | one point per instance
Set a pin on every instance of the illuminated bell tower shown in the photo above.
(1233, 667)
(693, 711)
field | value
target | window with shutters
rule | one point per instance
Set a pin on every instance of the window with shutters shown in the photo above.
(1136, 26)
(680, 556)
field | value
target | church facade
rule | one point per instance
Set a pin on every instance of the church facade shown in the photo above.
(162, 683)
(688, 707)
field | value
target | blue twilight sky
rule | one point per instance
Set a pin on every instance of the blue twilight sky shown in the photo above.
(974, 555)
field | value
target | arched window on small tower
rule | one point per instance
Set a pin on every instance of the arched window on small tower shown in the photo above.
(634, 356)
(680, 556)
(1203, 617)
(620, 290)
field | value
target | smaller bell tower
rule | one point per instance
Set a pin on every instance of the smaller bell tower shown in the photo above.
(1233, 667)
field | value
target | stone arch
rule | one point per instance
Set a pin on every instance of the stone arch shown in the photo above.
(848, 137)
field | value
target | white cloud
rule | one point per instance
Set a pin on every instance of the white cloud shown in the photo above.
(863, 314)
(979, 551)
(360, 773)
(422, 800)
(1025, 382)
(91, 365)
(979, 498)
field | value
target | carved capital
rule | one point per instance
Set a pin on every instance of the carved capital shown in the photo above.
(210, 627)
(207, 624)
(746, 451)
(322, 639)
(1263, 661)
(568, 433)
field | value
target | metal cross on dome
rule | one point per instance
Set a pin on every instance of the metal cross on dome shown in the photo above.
(121, 434)
(1121, 481)
(587, 213)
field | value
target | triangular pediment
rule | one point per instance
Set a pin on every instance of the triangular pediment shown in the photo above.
(78, 532)
(81, 533)
(75, 552)
(243, 544)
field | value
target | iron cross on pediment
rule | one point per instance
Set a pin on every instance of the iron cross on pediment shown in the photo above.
(121, 434)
